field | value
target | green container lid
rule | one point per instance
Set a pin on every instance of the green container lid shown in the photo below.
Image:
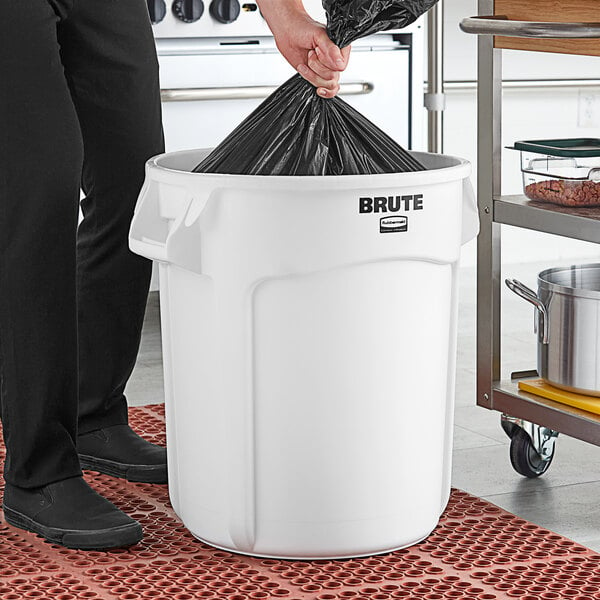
(567, 148)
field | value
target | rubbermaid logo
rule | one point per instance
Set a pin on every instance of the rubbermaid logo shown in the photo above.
(393, 224)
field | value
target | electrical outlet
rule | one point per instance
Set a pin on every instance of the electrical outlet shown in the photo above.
(589, 109)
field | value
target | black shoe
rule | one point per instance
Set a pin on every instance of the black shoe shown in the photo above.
(72, 514)
(120, 452)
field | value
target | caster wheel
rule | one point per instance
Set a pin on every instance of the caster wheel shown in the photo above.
(524, 457)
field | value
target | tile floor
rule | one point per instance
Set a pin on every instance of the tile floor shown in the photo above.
(566, 499)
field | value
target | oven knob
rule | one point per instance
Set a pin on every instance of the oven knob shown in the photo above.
(225, 11)
(157, 10)
(188, 10)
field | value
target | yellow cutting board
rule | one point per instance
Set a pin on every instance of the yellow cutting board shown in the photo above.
(540, 388)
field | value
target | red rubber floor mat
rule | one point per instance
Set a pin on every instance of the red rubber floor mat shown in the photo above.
(478, 552)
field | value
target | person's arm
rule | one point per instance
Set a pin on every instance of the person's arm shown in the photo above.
(305, 45)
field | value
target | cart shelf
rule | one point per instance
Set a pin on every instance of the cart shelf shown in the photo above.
(560, 417)
(577, 223)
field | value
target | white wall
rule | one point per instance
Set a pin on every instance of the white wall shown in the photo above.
(528, 114)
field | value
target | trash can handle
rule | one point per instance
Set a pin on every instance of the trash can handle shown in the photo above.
(470, 213)
(184, 238)
(148, 233)
(168, 238)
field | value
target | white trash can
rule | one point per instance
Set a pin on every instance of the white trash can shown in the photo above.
(309, 346)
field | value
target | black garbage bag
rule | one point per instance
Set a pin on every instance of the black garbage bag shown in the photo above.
(296, 132)
(348, 20)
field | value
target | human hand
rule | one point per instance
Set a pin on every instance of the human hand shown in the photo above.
(304, 43)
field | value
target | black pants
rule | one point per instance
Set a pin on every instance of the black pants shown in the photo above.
(79, 108)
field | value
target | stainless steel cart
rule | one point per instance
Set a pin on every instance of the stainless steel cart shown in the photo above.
(532, 422)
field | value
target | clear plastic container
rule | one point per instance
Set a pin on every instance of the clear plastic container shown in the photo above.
(563, 172)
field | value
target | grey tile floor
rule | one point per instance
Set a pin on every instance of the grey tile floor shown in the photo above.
(565, 499)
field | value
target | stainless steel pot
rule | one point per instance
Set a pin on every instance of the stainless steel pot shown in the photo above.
(568, 326)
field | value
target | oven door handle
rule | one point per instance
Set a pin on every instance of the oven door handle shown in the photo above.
(246, 93)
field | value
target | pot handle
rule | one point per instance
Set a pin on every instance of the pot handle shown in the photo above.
(528, 294)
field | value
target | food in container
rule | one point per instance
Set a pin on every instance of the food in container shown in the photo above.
(564, 172)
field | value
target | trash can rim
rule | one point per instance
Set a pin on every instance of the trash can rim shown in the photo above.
(457, 169)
